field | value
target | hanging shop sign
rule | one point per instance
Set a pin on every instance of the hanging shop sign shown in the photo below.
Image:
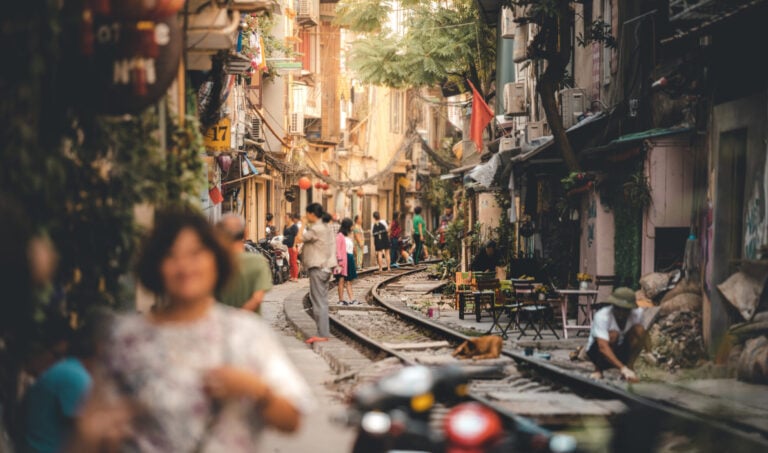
(129, 56)
(219, 136)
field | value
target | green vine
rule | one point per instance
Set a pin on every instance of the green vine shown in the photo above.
(626, 191)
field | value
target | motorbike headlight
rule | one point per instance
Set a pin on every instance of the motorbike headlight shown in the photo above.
(376, 423)
(562, 443)
(472, 424)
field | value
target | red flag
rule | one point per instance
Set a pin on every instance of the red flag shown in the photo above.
(481, 116)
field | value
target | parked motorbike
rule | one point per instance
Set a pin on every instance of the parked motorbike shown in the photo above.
(265, 249)
(396, 413)
(282, 259)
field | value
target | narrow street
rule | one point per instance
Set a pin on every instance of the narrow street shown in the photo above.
(570, 197)
(318, 433)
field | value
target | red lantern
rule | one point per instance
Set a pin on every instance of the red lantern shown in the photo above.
(318, 185)
(143, 9)
(325, 186)
(360, 192)
(304, 183)
(326, 172)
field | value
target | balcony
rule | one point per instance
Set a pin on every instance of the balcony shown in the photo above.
(314, 105)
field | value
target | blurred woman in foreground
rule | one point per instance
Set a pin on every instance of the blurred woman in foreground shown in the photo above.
(205, 377)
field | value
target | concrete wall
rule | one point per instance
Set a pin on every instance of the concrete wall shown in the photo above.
(488, 214)
(274, 97)
(382, 144)
(597, 236)
(669, 167)
(749, 115)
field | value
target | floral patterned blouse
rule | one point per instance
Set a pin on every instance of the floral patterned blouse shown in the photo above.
(162, 368)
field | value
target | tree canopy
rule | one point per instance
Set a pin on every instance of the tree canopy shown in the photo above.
(433, 43)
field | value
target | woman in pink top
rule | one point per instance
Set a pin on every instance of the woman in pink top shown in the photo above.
(345, 270)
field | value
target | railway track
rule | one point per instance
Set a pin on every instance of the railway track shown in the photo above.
(557, 399)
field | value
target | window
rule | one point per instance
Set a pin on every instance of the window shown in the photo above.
(395, 111)
(669, 248)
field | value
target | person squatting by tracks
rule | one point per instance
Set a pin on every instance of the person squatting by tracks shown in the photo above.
(617, 335)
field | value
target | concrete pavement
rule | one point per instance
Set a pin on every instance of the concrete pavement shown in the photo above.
(317, 433)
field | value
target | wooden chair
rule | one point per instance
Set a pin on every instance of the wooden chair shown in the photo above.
(465, 286)
(600, 280)
(605, 280)
(537, 315)
(485, 295)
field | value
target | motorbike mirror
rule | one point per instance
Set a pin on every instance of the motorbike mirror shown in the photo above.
(408, 382)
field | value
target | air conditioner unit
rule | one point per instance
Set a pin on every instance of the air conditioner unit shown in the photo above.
(514, 99)
(507, 144)
(296, 123)
(507, 23)
(520, 51)
(305, 15)
(535, 129)
(256, 128)
(305, 8)
(572, 104)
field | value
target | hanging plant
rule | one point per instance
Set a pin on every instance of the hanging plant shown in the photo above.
(637, 191)
(577, 179)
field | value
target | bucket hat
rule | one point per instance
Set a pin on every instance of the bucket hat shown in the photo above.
(622, 297)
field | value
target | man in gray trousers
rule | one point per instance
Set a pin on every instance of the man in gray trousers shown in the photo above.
(317, 258)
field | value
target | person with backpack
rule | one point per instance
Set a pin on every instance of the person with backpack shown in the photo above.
(380, 241)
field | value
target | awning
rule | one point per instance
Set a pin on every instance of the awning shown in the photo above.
(537, 146)
(630, 140)
(652, 133)
(463, 169)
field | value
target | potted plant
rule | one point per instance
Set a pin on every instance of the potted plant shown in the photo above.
(584, 280)
(541, 291)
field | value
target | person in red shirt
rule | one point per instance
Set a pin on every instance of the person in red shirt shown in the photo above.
(395, 230)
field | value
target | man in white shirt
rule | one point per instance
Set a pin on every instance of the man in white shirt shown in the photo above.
(617, 335)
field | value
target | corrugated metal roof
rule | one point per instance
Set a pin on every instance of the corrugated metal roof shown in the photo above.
(652, 133)
(693, 16)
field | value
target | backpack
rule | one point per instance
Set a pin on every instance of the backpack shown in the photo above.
(379, 231)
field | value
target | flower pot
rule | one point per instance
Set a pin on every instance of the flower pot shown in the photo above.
(583, 285)
(542, 296)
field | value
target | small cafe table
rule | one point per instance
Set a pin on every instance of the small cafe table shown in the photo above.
(591, 297)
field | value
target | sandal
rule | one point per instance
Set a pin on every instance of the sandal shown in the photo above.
(311, 340)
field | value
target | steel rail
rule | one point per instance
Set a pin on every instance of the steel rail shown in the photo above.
(524, 425)
(741, 436)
